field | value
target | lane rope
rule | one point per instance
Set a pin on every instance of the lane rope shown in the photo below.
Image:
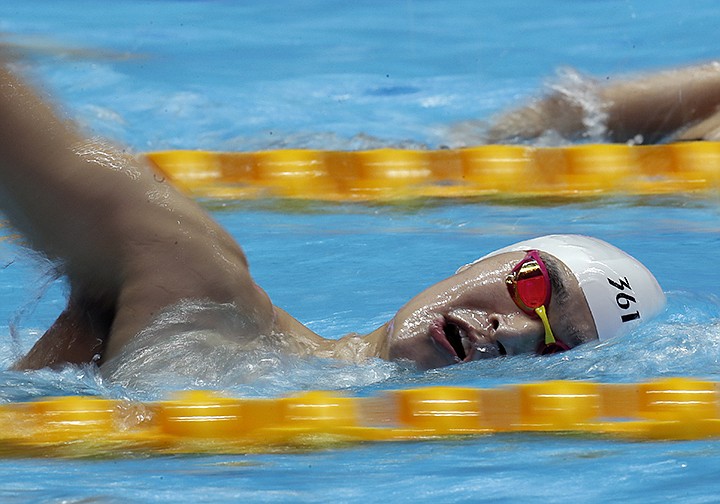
(207, 422)
(204, 422)
(483, 171)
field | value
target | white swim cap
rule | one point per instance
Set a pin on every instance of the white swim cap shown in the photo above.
(620, 291)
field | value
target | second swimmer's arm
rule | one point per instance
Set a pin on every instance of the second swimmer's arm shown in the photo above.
(661, 104)
(652, 106)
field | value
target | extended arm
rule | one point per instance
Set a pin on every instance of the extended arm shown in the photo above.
(652, 106)
(130, 243)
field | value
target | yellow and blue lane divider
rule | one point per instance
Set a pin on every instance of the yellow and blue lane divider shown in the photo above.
(205, 422)
(482, 171)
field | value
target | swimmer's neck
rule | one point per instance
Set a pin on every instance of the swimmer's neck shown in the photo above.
(358, 348)
(351, 347)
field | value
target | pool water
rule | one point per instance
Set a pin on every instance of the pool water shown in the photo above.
(242, 76)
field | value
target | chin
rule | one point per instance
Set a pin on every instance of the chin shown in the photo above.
(424, 355)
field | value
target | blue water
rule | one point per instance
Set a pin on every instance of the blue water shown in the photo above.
(243, 76)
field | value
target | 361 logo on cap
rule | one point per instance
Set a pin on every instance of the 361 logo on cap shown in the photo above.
(624, 300)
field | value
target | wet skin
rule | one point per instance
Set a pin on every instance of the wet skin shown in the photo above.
(681, 104)
(472, 316)
(133, 247)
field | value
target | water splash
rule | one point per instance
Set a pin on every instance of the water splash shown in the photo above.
(177, 352)
(535, 123)
(206, 360)
(684, 341)
(582, 91)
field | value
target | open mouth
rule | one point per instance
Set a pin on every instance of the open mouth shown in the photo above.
(457, 339)
(459, 342)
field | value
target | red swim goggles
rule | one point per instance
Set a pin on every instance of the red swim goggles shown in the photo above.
(529, 286)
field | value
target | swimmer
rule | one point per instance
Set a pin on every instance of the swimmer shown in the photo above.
(675, 105)
(134, 248)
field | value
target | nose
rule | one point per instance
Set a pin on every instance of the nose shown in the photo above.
(517, 333)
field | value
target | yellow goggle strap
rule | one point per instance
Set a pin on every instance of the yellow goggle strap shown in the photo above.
(549, 336)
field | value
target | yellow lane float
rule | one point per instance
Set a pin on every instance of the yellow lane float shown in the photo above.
(483, 171)
(203, 422)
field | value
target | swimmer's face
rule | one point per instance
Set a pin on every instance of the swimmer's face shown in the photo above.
(472, 316)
